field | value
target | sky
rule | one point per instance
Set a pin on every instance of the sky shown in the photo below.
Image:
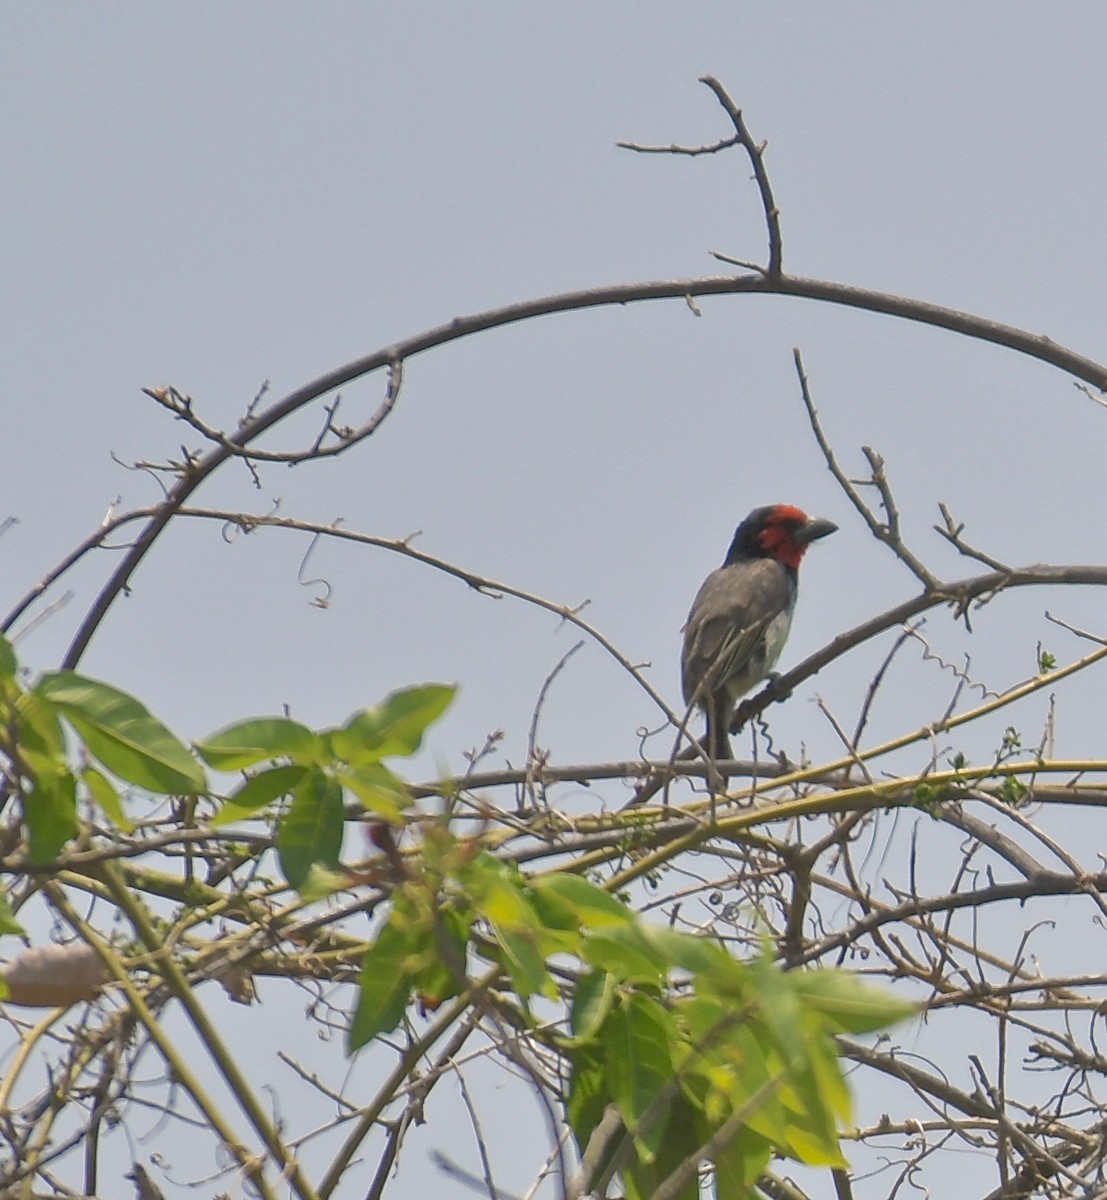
(218, 197)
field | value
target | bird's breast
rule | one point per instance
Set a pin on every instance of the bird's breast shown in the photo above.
(776, 634)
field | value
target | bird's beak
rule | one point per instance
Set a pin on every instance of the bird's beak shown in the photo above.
(815, 528)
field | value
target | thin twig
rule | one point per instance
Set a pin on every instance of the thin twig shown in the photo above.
(478, 1133)
(534, 762)
(951, 531)
(1036, 346)
(756, 152)
(673, 148)
(181, 406)
(886, 531)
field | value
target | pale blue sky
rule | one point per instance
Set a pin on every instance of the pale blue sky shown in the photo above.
(212, 195)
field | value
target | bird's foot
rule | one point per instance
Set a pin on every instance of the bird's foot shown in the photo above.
(773, 678)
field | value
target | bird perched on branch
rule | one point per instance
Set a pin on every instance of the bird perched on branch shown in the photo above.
(742, 613)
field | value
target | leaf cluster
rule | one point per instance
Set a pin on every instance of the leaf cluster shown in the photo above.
(701, 1056)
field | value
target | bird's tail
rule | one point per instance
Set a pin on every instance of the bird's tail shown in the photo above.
(716, 742)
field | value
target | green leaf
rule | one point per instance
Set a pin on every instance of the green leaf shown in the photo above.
(9, 664)
(684, 1133)
(498, 893)
(439, 971)
(311, 830)
(119, 732)
(522, 959)
(106, 797)
(379, 790)
(263, 739)
(734, 1060)
(779, 1007)
(736, 1056)
(740, 1164)
(636, 1039)
(831, 1096)
(848, 1004)
(703, 958)
(385, 988)
(627, 952)
(592, 999)
(711, 1023)
(1012, 791)
(40, 735)
(555, 914)
(588, 1094)
(321, 882)
(395, 727)
(810, 1130)
(594, 908)
(794, 1116)
(50, 814)
(8, 924)
(257, 792)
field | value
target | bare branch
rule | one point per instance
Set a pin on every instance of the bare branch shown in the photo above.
(756, 152)
(886, 531)
(951, 531)
(905, 860)
(1034, 345)
(673, 148)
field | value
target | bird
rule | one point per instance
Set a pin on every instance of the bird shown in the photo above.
(742, 614)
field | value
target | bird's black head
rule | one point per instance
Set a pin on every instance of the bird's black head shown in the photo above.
(778, 531)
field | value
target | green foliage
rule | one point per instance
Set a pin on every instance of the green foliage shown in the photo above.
(104, 792)
(379, 789)
(582, 903)
(315, 770)
(385, 985)
(741, 1045)
(66, 715)
(702, 1057)
(8, 924)
(846, 1004)
(592, 999)
(678, 1036)
(50, 813)
(310, 833)
(395, 728)
(9, 665)
(118, 732)
(1012, 791)
(635, 1042)
(258, 792)
(247, 743)
(1011, 744)
(522, 941)
(421, 950)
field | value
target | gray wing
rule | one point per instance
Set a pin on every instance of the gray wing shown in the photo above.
(736, 629)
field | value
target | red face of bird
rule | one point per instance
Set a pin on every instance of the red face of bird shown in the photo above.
(779, 531)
